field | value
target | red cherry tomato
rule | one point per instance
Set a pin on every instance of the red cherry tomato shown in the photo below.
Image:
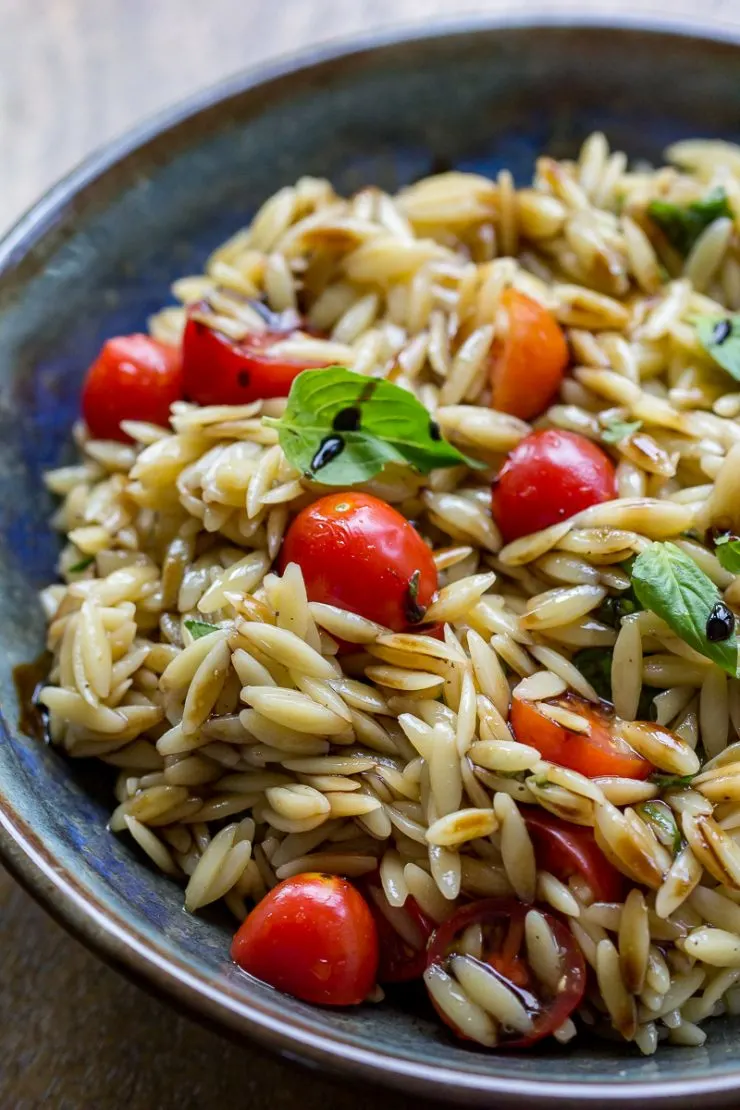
(564, 850)
(358, 553)
(314, 937)
(403, 932)
(529, 364)
(133, 378)
(600, 751)
(221, 371)
(504, 953)
(548, 477)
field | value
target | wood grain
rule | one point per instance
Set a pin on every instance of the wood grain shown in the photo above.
(73, 74)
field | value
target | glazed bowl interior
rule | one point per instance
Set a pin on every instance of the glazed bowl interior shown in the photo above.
(94, 260)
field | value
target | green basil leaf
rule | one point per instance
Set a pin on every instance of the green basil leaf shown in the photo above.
(341, 428)
(595, 664)
(727, 551)
(667, 782)
(618, 430)
(671, 585)
(83, 564)
(720, 338)
(659, 816)
(682, 224)
(200, 628)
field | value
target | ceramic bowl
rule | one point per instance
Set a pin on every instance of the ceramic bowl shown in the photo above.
(93, 259)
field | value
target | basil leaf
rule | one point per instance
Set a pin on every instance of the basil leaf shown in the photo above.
(595, 664)
(659, 816)
(83, 564)
(671, 585)
(682, 224)
(720, 338)
(618, 430)
(341, 428)
(669, 781)
(727, 551)
(200, 628)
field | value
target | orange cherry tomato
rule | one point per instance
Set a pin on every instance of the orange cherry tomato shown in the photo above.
(218, 370)
(565, 849)
(529, 364)
(548, 477)
(133, 378)
(359, 554)
(600, 751)
(314, 937)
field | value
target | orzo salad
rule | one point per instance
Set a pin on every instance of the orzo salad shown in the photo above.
(399, 587)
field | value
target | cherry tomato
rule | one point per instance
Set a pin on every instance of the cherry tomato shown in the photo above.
(502, 921)
(221, 371)
(403, 932)
(312, 936)
(600, 751)
(548, 477)
(358, 553)
(529, 364)
(133, 378)
(564, 850)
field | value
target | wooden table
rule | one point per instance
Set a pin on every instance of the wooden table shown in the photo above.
(74, 73)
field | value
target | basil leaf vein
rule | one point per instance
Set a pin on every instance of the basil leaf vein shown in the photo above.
(340, 428)
(671, 585)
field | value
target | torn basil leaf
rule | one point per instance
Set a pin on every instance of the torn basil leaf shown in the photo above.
(682, 224)
(660, 817)
(618, 430)
(595, 664)
(671, 585)
(341, 428)
(200, 628)
(667, 782)
(83, 564)
(720, 338)
(727, 551)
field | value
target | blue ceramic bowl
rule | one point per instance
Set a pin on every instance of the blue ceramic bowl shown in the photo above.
(93, 259)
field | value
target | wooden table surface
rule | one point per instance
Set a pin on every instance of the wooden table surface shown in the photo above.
(73, 74)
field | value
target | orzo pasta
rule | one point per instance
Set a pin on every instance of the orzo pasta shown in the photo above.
(438, 649)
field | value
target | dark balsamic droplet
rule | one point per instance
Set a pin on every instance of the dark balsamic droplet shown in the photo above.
(720, 623)
(434, 431)
(413, 612)
(347, 420)
(243, 378)
(329, 448)
(721, 331)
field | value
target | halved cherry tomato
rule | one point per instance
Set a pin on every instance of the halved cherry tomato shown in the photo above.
(502, 924)
(548, 477)
(564, 850)
(529, 364)
(133, 378)
(403, 932)
(312, 936)
(358, 553)
(600, 751)
(221, 371)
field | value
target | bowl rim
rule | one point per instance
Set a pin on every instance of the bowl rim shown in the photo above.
(32, 863)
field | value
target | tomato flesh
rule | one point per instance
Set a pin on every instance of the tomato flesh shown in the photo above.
(548, 477)
(502, 923)
(218, 370)
(600, 751)
(133, 378)
(358, 553)
(565, 850)
(403, 932)
(528, 366)
(312, 936)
